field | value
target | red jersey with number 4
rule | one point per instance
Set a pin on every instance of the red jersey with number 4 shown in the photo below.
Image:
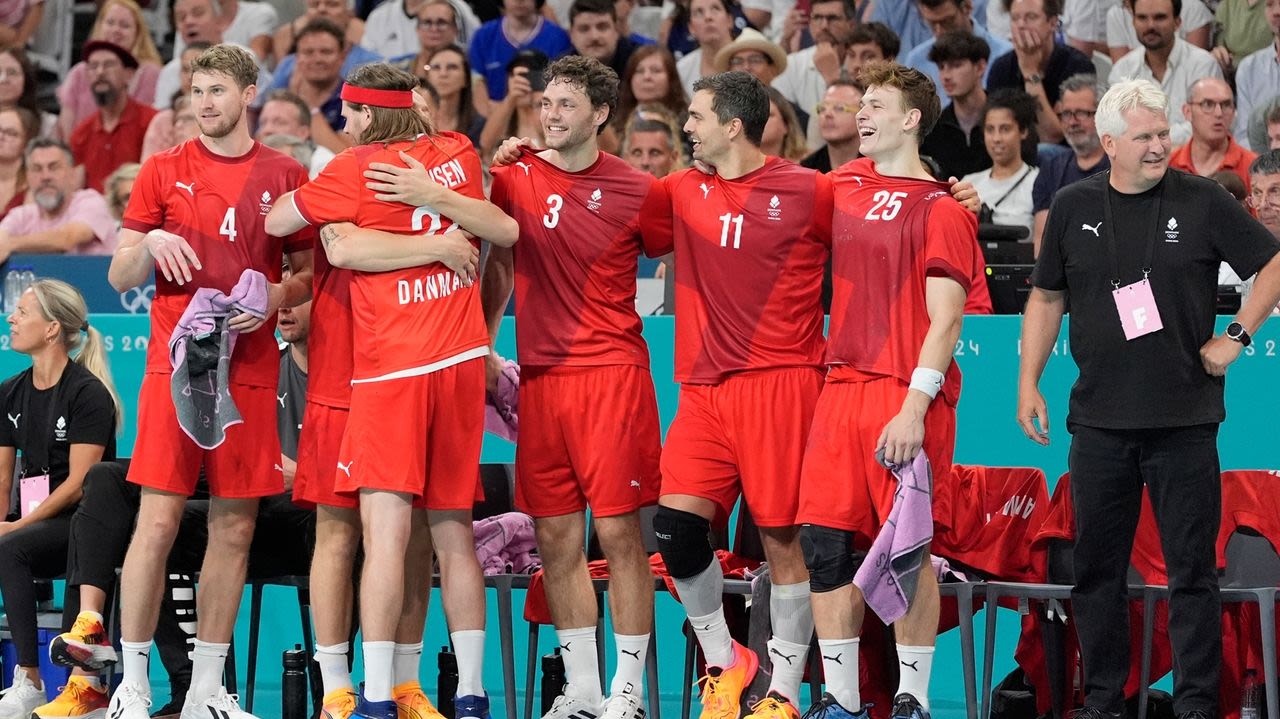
(416, 320)
(219, 206)
(749, 260)
(889, 235)
(575, 263)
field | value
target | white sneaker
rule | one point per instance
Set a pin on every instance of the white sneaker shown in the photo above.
(21, 698)
(567, 706)
(220, 706)
(129, 702)
(623, 706)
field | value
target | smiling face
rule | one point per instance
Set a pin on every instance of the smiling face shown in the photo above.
(118, 26)
(1140, 155)
(568, 119)
(884, 123)
(710, 138)
(218, 103)
(319, 57)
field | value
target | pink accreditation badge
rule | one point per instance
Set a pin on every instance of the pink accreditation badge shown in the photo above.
(1137, 308)
(32, 491)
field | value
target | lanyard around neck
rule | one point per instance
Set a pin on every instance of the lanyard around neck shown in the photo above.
(1108, 229)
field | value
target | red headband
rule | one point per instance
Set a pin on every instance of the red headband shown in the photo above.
(395, 99)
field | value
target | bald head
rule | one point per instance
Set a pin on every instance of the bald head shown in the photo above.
(1211, 109)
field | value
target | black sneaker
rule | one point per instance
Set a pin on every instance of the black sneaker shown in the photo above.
(906, 706)
(1195, 714)
(1094, 713)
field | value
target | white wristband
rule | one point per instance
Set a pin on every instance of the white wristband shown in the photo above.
(928, 381)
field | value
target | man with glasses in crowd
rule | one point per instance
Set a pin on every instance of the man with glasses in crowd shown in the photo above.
(1079, 103)
(1211, 110)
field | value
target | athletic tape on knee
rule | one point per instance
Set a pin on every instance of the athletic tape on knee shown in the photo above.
(828, 555)
(684, 542)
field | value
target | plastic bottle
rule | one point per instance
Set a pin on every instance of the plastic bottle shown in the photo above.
(293, 684)
(12, 289)
(28, 278)
(446, 681)
(1251, 696)
(552, 679)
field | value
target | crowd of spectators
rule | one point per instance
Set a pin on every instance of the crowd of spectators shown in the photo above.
(1019, 82)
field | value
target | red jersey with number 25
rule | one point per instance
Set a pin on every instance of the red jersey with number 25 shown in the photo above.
(219, 206)
(749, 261)
(416, 320)
(575, 263)
(889, 235)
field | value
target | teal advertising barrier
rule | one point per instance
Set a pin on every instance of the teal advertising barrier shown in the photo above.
(988, 354)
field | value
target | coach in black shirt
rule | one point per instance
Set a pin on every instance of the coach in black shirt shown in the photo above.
(1138, 250)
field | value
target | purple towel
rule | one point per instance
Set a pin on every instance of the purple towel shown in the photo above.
(200, 351)
(505, 544)
(501, 416)
(889, 575)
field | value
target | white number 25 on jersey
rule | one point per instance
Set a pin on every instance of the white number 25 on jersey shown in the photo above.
(887, 206)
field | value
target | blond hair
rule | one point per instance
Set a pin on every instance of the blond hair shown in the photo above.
(144, 48)
(60, 302)
(230, 60)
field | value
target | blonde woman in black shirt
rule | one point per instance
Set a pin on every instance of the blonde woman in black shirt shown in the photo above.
(61, 416)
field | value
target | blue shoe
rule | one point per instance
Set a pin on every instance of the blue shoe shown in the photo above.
(470, 707)
(906, 706)
(366, 709)
(829, 708)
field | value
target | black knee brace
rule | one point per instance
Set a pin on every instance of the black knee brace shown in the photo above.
(828, 555)
(683, 539)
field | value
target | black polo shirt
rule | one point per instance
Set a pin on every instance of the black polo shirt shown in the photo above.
(1064, 62)
(1156, 380)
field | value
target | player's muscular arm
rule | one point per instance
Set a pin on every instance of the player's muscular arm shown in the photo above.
(413, 186)
(1041, 321)
(60, 239)
(137, 253)
(357, 248)
(903, 437)
(293, 290)
(495, 293)
(284, 218)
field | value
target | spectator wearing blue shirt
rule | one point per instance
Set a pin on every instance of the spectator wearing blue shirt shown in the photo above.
(944, 16)
(496, 43)
(1080, 97)
(903, 17)
(321, 51)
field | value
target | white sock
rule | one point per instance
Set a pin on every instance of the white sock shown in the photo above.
(378, 658)
(914, 667)
(137, 657)
(334, 673)
(788, 661)
(468, 644)
(632, 650)
(840, 667)
(406, 663)
(208, 659)
(713, 636)
(581, 670)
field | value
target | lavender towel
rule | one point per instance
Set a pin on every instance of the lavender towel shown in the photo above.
(889, 575)
(501, 416)
(505, 544)
(200, 351)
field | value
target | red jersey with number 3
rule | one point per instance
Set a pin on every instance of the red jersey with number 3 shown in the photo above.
(889, 235)
(420, 319)
(749, 262)
(575, 263)
(219, 206)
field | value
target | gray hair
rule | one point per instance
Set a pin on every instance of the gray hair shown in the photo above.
(1125, 96)
(41, 143)
(1267, 163)
(1083, 81)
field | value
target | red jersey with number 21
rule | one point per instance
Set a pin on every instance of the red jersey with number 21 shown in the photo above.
(749, 260)
(420, 319)
(889, 235)
(219, 206)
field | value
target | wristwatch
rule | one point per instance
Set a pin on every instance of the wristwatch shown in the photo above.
(1237, 332)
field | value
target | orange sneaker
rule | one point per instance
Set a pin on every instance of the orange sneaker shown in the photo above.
(86, 646)
(412, 702)
(722, 687)
(338, 704)
(774, 706)
(79, 700)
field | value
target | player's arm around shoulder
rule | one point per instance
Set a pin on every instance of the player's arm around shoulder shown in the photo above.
(412, 185)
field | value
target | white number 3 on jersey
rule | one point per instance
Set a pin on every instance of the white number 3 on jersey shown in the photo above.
(887, 206)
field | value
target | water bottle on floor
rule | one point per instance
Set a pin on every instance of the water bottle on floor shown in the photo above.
(446, 681)
(293, 684)
(552, 679)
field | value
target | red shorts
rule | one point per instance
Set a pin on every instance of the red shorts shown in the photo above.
(588, 436)
(246, 464)
(843, 486)
(322, 430)
(417, 435)
(743, 436)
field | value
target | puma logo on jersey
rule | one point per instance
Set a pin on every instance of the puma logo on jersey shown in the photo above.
(14, 418)
(1093, 229)
(280, 398)
(346, 468)
(705, 189)
(278, 468)
(190, 188)
(635, 483)
(525, 166)
(789, 657)
(859, 179)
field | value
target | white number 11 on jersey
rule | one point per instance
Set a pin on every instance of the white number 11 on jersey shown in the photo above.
(730, 219)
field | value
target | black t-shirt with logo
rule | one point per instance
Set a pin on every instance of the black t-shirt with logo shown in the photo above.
(43, 424)
(1156, 380)
(291, 396)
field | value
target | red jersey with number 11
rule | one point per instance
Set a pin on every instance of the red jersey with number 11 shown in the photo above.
(219, 206)
(749, 260)
(420, 319)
